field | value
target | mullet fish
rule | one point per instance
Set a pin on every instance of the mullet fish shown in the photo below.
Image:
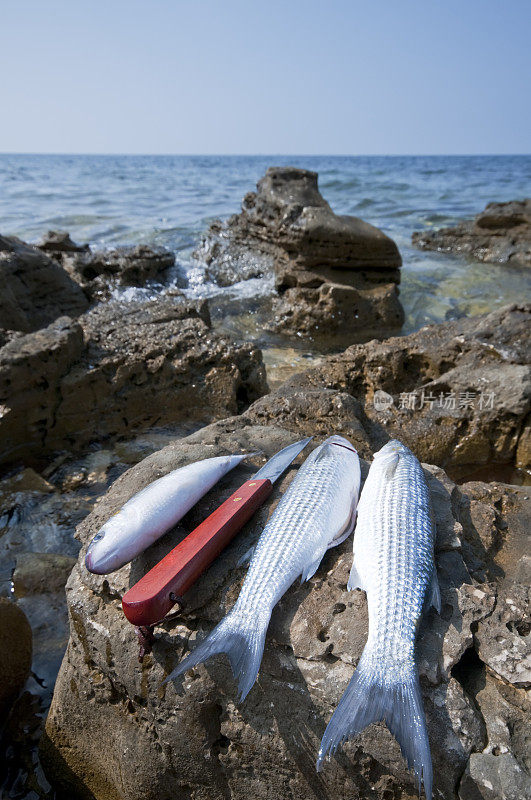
(394, 564)
(153, 511)
(317, 511)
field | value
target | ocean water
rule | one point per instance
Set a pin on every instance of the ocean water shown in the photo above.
(169, 201)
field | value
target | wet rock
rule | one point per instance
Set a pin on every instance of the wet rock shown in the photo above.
(457, 393)
(335, 275)
(120, 367)
(25, 480)
(60, 242)
(338, 312)
(99, 271)
(36, 290)
(500, 234)
(15, 652)
(190, 737)
(41, 573)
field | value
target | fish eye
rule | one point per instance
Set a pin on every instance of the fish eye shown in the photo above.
(98, 536)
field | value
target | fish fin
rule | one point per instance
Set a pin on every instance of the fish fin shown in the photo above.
(434, 593)
(345, 533)
(325, 451)
(242, 639)
(391, 464)
(311, 568)
(370, 698)
(355, 580)
(246, 556)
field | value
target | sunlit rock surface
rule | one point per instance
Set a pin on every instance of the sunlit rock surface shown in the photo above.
(336, 276)
(189, 739)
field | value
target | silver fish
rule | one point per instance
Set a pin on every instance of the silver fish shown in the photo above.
(153, 511)
(394, 564)
(316, 512)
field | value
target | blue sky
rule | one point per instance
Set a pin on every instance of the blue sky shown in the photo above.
(239, 76)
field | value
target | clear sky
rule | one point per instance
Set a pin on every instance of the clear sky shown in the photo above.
(276, 76)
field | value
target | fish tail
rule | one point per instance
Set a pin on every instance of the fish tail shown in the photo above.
(369, 697)
(242, 638)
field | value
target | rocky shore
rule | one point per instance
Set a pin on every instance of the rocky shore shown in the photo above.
(91, 387)
(500, 234)
(107, 370)
(334, 275)
(191, 739)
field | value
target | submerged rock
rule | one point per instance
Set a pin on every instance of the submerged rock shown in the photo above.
(99, 271)
(120, 368)
(190, 739)
(457, 393)
(15, 652)
(35, 289)
(500, 234)
(335, 275)
(41, 573)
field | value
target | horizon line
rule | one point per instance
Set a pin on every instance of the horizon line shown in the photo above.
(262, 155)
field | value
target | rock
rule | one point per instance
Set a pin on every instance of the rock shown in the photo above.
(335, 275)
(476, 368)
(32, 368)
(99, 271)
(60, 242)
(190, 738)
(490, 777)
(120, 367)
(15, 652)
(25, 480)
(41, 573)
(35, 289)
(500, 234)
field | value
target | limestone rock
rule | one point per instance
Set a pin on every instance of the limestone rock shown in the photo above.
(121, 366)
(99, 271)
(189, 738)
(15, 652)
(457, 393)
(335, 275)
(500, 234)
(36, 290)
(31, 370)
(41, 573)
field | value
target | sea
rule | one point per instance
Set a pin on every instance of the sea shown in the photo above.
(170, 201)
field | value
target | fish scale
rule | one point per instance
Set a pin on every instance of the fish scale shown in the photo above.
(315, 513)
(394, 564)
(309, 523)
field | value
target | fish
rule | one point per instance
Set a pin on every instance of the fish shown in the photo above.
(153, 511)
(316, 512)
(394, 564)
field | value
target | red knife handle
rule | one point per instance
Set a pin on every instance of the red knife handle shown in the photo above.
(149, 600)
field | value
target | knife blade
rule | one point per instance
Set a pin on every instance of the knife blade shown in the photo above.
(153, 596)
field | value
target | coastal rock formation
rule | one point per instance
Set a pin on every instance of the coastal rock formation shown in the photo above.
(190, 739)
(120, 367)
(35, 289)
(98, 271)
(500, 234)
(333, 274)
(15, 652)
(457, 393)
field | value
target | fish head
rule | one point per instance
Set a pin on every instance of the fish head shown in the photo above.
(392, 448)
(388, 457)
(101, 557)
